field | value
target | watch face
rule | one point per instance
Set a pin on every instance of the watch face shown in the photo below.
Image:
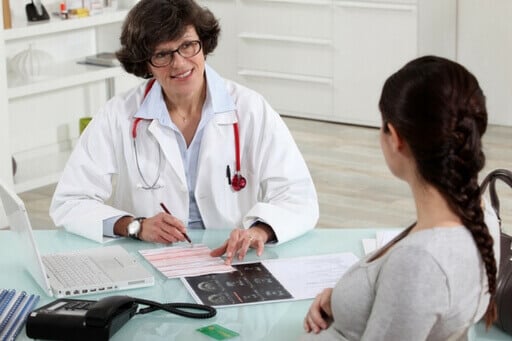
(134, 228)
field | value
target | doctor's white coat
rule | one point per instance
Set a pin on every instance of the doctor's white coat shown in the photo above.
(101, 180)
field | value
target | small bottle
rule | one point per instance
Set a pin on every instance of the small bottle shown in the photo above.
(63, 11)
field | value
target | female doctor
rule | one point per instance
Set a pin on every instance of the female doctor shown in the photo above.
(212, 151)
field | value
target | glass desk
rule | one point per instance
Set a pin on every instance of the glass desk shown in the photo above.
(270, 321)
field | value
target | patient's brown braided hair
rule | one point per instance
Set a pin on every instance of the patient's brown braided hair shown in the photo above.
(438, 108)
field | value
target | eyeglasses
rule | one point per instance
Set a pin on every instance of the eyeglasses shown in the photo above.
(187, 50)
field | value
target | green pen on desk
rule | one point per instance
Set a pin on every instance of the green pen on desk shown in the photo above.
(168, 212)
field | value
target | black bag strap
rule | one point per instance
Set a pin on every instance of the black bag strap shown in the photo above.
(505, 176)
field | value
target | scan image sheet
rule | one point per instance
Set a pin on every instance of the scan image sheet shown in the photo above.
(270, 280)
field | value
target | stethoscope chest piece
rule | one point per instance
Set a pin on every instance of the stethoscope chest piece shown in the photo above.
(238, 182)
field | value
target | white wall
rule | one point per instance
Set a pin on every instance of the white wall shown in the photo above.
(484, 46)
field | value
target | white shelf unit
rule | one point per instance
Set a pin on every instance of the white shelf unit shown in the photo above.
(39, 117)
(69, 74)
(23, 29)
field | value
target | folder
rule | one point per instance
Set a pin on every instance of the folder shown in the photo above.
(14, 309)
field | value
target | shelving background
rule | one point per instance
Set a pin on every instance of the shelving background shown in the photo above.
(42, 121)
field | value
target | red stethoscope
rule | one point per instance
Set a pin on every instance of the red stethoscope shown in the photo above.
(237, 182)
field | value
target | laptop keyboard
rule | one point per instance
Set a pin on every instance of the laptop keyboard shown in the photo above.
(75, 270)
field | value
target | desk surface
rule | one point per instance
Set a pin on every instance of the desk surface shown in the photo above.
(274, 321)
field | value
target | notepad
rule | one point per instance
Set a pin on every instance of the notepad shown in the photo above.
(14, 309)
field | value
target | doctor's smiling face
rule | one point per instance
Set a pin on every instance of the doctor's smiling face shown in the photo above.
(178, 65)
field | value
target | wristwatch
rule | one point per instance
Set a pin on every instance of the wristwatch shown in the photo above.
(135, 227)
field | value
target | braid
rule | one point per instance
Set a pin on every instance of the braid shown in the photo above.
(465, 201)
(457, 180)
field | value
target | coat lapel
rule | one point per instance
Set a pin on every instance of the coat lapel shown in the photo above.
(170, 149)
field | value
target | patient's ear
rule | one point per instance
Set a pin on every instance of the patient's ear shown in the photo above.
(397, 143)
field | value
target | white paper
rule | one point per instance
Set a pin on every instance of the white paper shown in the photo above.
(384, 237)
(381, 239)
(305, 277)
(369, 245)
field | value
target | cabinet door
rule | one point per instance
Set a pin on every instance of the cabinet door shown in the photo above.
(486, 50)
(285, 53)
(372, 40)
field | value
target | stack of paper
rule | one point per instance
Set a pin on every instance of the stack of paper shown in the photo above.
(14, 309)
(381, 239)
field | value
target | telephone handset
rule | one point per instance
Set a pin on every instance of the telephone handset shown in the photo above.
(75, 319)
(104, 311)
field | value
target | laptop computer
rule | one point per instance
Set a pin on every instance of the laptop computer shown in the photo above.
(82, 272)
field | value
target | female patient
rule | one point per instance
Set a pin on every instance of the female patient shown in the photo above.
(439, 276)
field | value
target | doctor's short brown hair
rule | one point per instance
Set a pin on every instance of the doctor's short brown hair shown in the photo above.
(152, 22)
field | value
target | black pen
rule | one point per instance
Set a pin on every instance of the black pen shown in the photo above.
(228, 174)
(168, 212)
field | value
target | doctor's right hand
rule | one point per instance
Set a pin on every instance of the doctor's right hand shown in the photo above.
(163, 228)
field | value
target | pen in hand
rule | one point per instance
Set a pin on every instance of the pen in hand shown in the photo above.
(168, 212)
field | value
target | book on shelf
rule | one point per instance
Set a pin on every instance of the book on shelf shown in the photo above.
(103, 59)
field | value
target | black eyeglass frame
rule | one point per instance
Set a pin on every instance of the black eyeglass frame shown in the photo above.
(170, 53)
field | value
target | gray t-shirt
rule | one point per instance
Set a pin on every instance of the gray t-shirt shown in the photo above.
(429, 286)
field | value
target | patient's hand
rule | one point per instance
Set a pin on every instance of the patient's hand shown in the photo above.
(319, 316)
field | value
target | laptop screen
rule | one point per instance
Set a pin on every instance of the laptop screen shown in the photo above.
(19, 222)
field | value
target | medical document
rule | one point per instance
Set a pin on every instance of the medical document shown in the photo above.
(180, 261)
(270, 280)
(305, 277)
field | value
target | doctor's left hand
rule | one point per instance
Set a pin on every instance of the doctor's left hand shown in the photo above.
(240, 240)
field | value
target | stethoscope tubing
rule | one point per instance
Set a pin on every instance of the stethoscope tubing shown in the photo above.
(238, 182)
(147, 185)
(237, 147)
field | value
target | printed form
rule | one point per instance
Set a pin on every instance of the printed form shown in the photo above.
(181, 261)
(305, 277)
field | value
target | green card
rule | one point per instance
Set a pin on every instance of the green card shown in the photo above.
(217, 332)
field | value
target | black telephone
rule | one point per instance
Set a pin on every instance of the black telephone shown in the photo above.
(72, 319)
(36, 11)
(69, 319)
